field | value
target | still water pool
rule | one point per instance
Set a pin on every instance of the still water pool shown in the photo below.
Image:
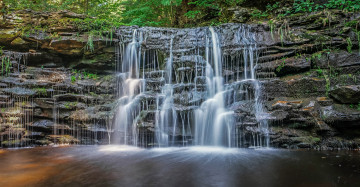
(191, 166)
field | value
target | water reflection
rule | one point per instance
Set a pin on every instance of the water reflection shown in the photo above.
(193, 166)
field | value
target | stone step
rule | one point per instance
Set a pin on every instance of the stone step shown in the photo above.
(155, 84)
(265, 75)
(155, 74)
(3, 85)
(19, 91)
(4, 98)
(276, 56)
(26, 76)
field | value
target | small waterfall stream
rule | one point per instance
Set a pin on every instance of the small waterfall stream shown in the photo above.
(129, 87)
(166, 114)
(212, 120)
(187, 99)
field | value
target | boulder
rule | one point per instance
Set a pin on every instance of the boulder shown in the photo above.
(7, 36)
(240, 14)
(291, 66)
(337, 59)
(346, 94)
(340, 116)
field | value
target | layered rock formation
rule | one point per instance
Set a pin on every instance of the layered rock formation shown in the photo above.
(307, 69)
(55, 89)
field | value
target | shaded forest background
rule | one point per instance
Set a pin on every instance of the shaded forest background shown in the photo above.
(176, 13)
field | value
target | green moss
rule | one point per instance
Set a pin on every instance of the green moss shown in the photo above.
(18, 41)
(41, 91)
(70, 105)
(8, 35)
(11, 142)
(352, 24)
(108, 77)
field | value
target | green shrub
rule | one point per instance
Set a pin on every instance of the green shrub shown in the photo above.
(303, 6)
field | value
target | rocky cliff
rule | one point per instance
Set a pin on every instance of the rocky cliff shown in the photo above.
(61, 88)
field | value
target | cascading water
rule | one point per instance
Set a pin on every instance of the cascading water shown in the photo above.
(129, 87)
(193, 92)
(212, 119)
(166, 116)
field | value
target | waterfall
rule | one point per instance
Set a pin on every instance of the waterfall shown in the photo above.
(130, 86)
(261, 117)
(166, 116)
(212, 119)
(189, 97)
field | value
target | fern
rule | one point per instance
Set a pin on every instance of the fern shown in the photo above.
(349, 47)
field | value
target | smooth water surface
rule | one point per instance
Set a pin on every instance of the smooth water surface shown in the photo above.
(191, 166)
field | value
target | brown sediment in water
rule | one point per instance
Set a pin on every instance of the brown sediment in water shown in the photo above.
(22, 169)
(130, 166)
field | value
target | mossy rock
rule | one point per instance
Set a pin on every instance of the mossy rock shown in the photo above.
(8, 35)
(63, 139)
(18, 41)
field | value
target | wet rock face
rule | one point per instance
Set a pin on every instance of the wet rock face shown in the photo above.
(194, 38)
(347, 94)
(44, 106)
(341, 116)
(338, 59)
(239, 14)
(59, 42)
(310, 96)
(297, 81)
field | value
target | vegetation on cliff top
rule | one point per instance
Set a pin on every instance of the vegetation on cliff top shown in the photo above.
(176, 13)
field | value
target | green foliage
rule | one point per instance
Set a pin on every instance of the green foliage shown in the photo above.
(348, 5)
(5, 66)
(281, 33)
(323, 73)
(273, 7)
(316, 55)
(192, 14)
(41, 91)
(320, 72)
(352, 24)
(300, 6)
(149, 12)
(358, 38)
(282, 65)
(272, 27)
(269, 8)
(90, 44)
(112, 13)
(104, 9)
(259, 14)
(357, 107)
(79, 75)
(73, 78)
(204, 3)
(70, 105)
(349, 46)
(303, 6)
